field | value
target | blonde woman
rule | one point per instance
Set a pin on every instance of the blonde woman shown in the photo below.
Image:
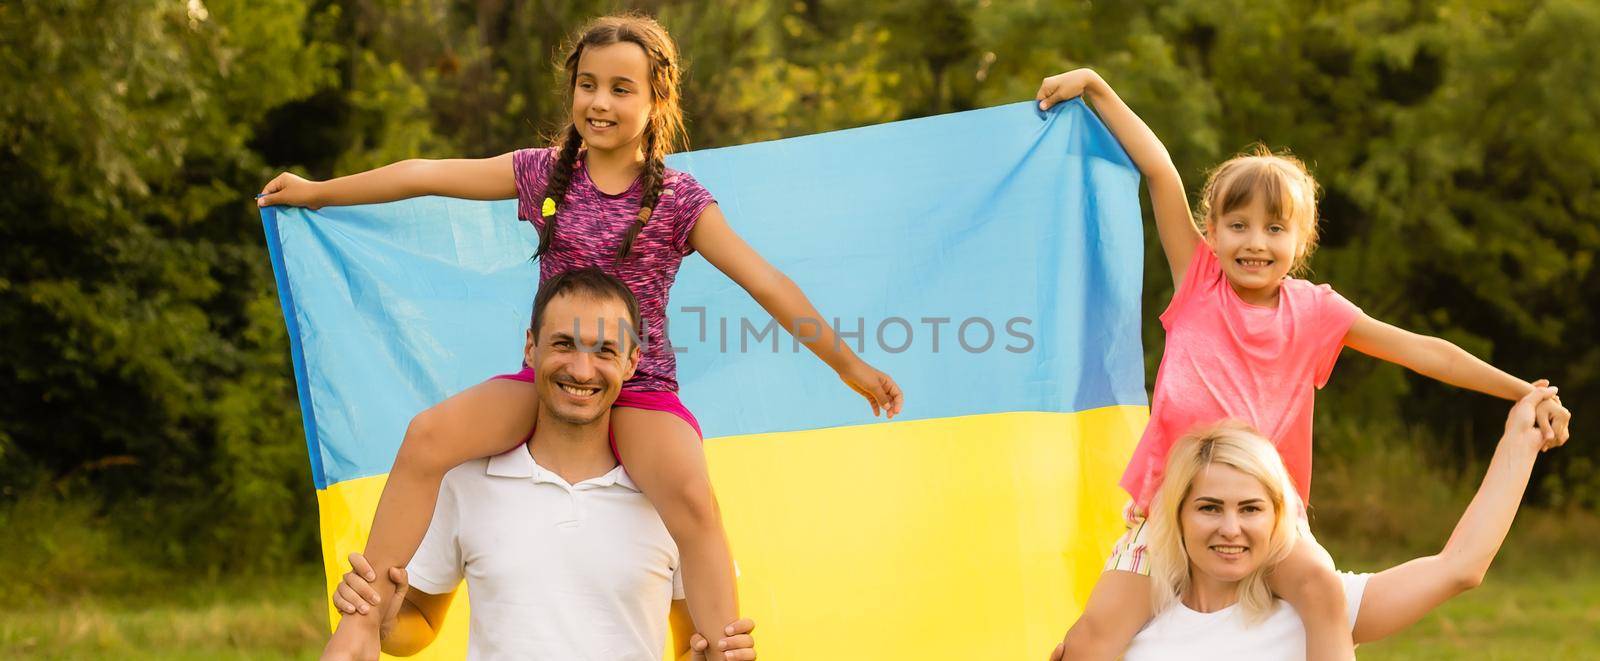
(1228, 513)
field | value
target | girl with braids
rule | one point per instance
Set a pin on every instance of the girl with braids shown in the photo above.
(601, 198)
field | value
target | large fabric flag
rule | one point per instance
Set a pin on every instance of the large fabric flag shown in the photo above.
(989, 260)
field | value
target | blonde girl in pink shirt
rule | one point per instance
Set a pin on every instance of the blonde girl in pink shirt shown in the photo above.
(1247, 341)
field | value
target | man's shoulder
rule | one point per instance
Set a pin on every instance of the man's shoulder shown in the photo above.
(470, 472)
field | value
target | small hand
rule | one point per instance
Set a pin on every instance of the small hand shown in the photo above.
(1060, 651)
(880, 391)
(355, 593)
(354, 640)
(1554, 420)
(290, 189)
(1064, 87)
(1522, 422)
(740, 645)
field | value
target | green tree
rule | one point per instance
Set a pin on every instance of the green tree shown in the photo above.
(142, 351)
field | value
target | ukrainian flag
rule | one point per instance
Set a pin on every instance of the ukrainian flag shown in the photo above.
(989, 260)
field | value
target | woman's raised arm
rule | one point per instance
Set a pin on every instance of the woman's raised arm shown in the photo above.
(1399, 596)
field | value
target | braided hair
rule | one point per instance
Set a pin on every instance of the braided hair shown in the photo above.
(663, 131)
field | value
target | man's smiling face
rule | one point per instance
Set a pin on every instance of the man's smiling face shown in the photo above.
(581, 356)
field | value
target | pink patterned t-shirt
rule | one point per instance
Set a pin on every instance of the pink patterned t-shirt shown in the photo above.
(1228, 359)
(591, 224)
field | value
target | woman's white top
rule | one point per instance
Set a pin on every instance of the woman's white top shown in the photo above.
(1181, 633)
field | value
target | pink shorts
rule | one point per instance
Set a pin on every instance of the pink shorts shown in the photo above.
(649, 400)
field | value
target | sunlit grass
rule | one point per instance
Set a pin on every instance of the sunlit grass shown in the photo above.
(278, 618)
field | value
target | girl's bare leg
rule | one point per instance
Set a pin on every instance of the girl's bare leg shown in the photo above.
(481, 421)
(1119, 606)
(1307, 580)
(663, 455)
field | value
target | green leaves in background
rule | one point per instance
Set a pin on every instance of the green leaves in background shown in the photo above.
(143, 364)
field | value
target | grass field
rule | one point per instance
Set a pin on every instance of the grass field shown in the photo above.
(281, 618)
(1541, 599)
(1542, 615)
(1527, 609)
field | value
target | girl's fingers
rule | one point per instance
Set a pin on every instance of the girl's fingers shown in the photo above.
(351, 599)
(1046, 93)
(361, 588)
(343, 604)
(359, 565)
(896, 397)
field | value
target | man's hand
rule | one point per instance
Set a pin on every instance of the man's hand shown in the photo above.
(740, 645)
(355, 593)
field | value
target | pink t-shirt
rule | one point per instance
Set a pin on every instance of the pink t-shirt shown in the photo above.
(1228, 359)
(590, 229)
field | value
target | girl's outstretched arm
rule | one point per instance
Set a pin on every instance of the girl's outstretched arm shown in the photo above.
(470, 178)
(1442, 360)
(1399, 596)
(1169, 203)
(789, 306)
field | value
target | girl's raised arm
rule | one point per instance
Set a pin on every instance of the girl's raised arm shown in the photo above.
(1442, 360)
(714, 239)
(1170, 204)
(470, 178)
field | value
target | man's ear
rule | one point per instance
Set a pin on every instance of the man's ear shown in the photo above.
(528, 345)
(633, 362)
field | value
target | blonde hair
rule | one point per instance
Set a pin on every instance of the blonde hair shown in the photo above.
(1286, 186)
(1237, 445)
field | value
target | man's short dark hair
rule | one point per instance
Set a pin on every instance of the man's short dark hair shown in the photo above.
(591, 282)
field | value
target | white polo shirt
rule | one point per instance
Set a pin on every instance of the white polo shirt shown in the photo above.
(1183, 633)
(553, 571)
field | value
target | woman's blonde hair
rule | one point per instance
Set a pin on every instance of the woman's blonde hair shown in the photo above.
(1237, 445)
(1285, 185)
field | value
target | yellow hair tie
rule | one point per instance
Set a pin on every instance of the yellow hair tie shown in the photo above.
(549, 208)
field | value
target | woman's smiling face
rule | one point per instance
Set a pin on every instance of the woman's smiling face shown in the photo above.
(1227, 522)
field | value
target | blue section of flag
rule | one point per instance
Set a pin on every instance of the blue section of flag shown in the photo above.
(1012, 234)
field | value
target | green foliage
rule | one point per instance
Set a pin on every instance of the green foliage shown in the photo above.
(131, 263)
(144, 377)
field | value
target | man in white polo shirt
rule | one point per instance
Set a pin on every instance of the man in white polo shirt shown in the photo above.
(564, 558)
